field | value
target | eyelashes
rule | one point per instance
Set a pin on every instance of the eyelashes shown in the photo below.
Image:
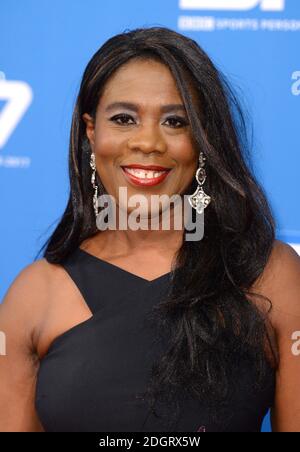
(122, 120)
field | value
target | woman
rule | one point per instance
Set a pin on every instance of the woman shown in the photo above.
(133, 329)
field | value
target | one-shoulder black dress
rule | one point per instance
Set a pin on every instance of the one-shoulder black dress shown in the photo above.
(92, 375)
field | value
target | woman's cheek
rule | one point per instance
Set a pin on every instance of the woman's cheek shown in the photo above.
(106, 142)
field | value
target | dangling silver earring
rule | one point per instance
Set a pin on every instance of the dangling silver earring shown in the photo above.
(93, 180)
(199, 200)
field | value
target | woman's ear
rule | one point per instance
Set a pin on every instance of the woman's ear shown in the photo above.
(90, 128)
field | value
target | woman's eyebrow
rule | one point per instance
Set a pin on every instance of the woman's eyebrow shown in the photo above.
(135, 107)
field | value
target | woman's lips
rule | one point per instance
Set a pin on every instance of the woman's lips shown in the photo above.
(142, 180)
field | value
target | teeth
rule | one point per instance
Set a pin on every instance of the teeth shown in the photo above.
(144, 174)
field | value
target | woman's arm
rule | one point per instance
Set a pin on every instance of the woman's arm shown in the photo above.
(20, 314)
(281, 283)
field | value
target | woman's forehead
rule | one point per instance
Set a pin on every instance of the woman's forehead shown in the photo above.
(141, 81)
(141, 75)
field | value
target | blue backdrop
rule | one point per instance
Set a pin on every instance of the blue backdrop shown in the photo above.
(45, 46)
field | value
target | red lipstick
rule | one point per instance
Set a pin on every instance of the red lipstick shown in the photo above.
(147, 167)
(145, 181)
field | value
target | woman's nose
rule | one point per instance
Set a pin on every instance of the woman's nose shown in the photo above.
(147, 138)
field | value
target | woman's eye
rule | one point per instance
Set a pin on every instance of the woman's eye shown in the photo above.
(176, 122)
(121, 119)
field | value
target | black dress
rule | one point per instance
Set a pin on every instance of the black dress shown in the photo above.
(92, 374)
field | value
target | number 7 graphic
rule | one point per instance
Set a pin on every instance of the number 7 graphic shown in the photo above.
(18, 96)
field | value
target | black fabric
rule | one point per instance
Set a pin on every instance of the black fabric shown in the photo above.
(93, 373)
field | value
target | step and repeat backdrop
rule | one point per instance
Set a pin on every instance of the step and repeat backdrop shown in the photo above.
(44, 48)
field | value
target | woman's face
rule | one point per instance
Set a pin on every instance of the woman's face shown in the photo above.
(141, 120)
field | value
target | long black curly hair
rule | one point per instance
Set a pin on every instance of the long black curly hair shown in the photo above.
(209, 313)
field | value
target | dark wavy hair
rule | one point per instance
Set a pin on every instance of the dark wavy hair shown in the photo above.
(209, 313)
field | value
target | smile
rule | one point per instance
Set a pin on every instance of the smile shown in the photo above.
(140, 176)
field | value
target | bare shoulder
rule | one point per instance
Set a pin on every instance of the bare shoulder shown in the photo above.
(21, 315)
(42, 303)
(284, 255)
(282, 270)
(34, 274)
(280, 282)
(27, 299)
(31, 283)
